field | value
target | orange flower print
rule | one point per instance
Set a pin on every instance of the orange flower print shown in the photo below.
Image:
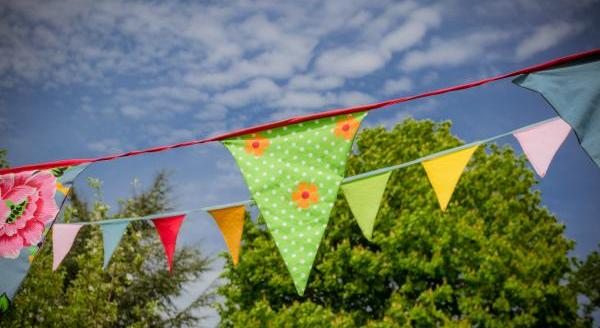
(257, 145)
(346, 127)
(306, 195)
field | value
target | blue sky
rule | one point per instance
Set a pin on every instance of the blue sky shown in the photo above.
(86, 78)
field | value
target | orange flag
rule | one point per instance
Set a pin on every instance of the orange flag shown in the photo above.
(231, 223)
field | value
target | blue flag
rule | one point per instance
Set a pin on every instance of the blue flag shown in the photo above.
(574, 92)
(111, 235)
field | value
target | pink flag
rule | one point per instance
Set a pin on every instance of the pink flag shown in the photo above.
(541, 142)
(63, 236)
(167, 229)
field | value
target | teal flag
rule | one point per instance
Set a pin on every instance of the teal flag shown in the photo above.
(111, 236)
(574, 92)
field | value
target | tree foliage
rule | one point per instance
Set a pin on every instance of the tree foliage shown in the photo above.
(586, 281)
(3, 161)
(495, 258)
(136, 289)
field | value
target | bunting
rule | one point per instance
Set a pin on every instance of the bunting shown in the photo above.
(111, 236)
(168, 229)
(231, 223)
(573, 90)
(29, 204)
(293, 169)
(293, 174)
(364, 198)
(63, 236)
(540, 143)
(445, 171)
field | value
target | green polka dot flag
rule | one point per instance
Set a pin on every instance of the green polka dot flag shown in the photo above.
(294, 173)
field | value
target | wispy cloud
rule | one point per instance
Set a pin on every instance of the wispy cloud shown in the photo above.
(106, 146)
(393, 86)
(346, 62)
(356, 62)
(546, 36)
(453, 51)
(208, 68)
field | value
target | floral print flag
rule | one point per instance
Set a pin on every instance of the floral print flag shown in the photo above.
(29, 203)
(293, 173)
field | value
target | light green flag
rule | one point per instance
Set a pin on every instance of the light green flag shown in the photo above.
(364, 198)
(294, 173)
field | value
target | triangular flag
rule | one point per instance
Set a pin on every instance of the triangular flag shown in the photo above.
(574, 92)
(168, 229)
(294, 173)
(540, 143)
(364, 198)
(444, 171)
(112, 233)
(231, 223)
(26, 226)
(63, 236)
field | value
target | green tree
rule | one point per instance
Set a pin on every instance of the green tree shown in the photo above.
(136, 289)
(586, 281)
(3, 161)
(495, 258)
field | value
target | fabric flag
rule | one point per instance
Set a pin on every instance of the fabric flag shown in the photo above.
(294, 173)
(231, 223)
(168, 229)
(111, 236)
(364, 198)
(540, 143)
(445, 171)
(573, 90)
(63, 236)
(29, 204)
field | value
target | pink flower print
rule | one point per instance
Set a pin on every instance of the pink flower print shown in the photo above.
(26, 205)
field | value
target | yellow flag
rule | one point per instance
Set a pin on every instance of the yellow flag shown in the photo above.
(443, 173)
(231, 223)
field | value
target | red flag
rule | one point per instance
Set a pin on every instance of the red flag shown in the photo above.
(168, 229)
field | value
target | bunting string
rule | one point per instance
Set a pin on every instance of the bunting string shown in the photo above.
(162, 215)
(361, 176)
(294, 169)
(363, 193)
(444, 152)
(299, 119)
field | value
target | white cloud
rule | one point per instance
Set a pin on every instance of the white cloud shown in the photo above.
(133, 112)
(413, 31)
(430, 77)
(393, 86)
(310, 82)
(419, 110)
(260, 89)
(546, 36)
(106, 146)
(453, 51)
(179, 57)
(354, 98)
(356, 62)
(169, 136)
(211, 112)
(176, 93)
(346, 62)
(305, 100)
